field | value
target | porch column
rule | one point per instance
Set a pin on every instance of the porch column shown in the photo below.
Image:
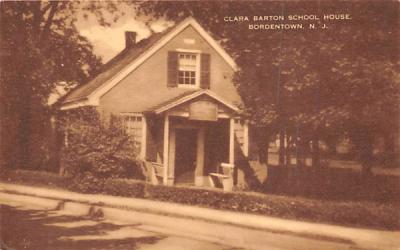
(171, 157)
(166, 151)
(144, 139)
(246, 138)
(199, 172)
(232, 142)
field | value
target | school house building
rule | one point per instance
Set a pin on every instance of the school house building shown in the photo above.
(176, 95)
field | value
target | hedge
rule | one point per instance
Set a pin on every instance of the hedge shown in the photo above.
(351, 213)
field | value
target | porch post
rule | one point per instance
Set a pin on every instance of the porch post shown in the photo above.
(171, 157)
(246, 138)
(232, 141)
(199, 172)
(166, 151)
(144, 139)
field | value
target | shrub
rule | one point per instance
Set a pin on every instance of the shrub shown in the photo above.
(87, 183)
(368, 214)
(332, 184)
(35, 177)
(124, 187)
(96, 150)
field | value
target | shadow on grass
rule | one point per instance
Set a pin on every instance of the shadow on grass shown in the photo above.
(32, 229)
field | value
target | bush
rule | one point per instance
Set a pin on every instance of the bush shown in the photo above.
(350, 213)
(87, 183)
(35, 178)
(96, 150)
(124, 187)
(332, 184)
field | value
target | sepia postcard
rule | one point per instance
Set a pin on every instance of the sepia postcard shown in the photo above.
(200, 125)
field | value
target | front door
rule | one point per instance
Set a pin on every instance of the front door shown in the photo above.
(185, 155)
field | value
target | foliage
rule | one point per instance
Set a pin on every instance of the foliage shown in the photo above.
(96, 150)
(125, 187)
(35, 178)
(314, 84)
(333, 184)
(41, 48)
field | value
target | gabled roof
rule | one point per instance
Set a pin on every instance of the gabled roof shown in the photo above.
(129, 59)
(113, 67)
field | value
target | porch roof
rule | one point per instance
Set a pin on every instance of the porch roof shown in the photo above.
(187, 97)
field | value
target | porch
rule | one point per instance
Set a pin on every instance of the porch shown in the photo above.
(188, 141)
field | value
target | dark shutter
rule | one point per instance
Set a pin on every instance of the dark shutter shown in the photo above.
(205, 71)
(172, 69)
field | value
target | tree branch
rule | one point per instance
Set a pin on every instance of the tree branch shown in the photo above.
(45, 9)
(37, 16)
(49, 21)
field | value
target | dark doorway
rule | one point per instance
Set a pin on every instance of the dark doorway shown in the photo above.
(185, 155)
(216, 145)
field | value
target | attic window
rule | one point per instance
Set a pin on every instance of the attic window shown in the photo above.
(188, 69)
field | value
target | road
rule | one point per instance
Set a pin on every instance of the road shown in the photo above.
(29, 225)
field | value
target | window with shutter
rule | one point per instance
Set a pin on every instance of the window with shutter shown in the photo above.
(187, 69)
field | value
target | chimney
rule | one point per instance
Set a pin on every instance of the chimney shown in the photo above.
(130, 39)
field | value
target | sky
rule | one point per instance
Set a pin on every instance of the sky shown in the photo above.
(108, 41)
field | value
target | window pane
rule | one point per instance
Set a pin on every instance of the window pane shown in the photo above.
(187, 68)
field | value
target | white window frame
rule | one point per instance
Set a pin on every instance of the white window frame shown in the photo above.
(136, 116)
(197, 53)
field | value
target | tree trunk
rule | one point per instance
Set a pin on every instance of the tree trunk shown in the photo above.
(389, 150)
(366, 148)
(287, 150)
(315, 152)
(300, 156)
(24, 137)
(282, 147)
(263, 151)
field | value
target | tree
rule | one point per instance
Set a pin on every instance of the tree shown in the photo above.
(40, 47)
(311, 82)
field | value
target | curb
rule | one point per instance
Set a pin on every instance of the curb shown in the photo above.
(109, 205)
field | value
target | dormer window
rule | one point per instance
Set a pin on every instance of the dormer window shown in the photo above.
(188, 69)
